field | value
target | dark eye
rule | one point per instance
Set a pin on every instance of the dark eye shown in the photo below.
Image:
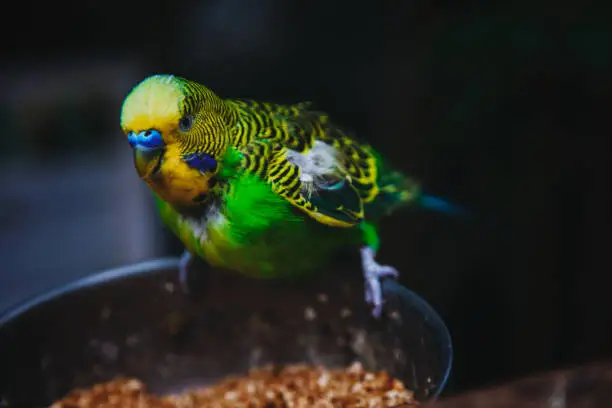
(186, 123)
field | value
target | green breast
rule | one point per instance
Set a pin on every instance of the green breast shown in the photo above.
(256, 232)
(285, 249)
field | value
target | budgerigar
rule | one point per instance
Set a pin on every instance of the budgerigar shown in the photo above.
(264, 189)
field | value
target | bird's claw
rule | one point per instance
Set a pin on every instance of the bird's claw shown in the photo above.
(373, 281)
(373, 274)
(184, 264)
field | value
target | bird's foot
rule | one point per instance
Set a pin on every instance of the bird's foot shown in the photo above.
(373, 273)
(184, 264)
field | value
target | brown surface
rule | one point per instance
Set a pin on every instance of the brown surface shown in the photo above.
(290, 386)
(121, 392)
(583, 387)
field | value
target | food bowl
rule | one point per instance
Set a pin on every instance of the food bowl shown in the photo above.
(135, 321)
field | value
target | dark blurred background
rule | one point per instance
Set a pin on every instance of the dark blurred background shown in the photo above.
(500, 108)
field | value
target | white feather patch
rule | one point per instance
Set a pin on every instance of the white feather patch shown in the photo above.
(319, 161)
(316, 164)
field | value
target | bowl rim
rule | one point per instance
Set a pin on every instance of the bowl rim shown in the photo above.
(435, 320)
(159, 264)
(88, 281)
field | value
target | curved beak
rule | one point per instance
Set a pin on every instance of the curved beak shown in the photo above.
(147, 160)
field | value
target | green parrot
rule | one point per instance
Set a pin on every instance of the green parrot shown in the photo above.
(264, 189)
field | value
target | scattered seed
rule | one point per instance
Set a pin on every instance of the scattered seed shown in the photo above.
(297, 385)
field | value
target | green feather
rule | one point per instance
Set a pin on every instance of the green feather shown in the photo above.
(249, 204)
(230, 164)
(252, 208)
(396, 190)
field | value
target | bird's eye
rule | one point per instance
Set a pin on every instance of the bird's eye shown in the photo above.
(186, 123)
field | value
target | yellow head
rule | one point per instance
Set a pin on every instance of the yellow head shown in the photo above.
(165, 115)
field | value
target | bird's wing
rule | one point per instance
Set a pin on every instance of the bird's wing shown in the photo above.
(298, 127)
(329, 197)
(295, 137)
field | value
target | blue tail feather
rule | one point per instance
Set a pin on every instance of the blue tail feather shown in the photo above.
(440, 205)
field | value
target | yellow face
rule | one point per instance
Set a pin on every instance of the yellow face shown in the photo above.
(166, 119)
(153, 104)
